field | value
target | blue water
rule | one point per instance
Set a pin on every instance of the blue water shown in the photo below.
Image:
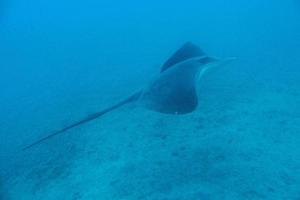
(62, 60)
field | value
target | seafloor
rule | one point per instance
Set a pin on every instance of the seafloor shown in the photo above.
(241, 143)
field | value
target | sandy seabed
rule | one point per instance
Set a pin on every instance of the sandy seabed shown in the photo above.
(237, 145)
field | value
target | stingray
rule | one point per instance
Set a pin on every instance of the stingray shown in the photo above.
(174, 91)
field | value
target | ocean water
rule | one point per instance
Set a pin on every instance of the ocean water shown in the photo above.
(62, 60)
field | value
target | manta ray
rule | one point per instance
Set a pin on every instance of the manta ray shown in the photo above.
(174, 91)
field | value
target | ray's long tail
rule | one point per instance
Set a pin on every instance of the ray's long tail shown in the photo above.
(89, 118)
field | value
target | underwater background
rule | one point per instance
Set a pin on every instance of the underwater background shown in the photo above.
(62, 60)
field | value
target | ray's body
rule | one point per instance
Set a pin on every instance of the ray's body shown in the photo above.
(173, 92)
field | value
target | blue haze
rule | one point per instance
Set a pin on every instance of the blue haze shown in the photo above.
(61, 60)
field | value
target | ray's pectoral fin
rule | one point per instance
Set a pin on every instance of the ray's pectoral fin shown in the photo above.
(185, 52)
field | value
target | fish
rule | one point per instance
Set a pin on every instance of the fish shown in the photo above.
(173, 92)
